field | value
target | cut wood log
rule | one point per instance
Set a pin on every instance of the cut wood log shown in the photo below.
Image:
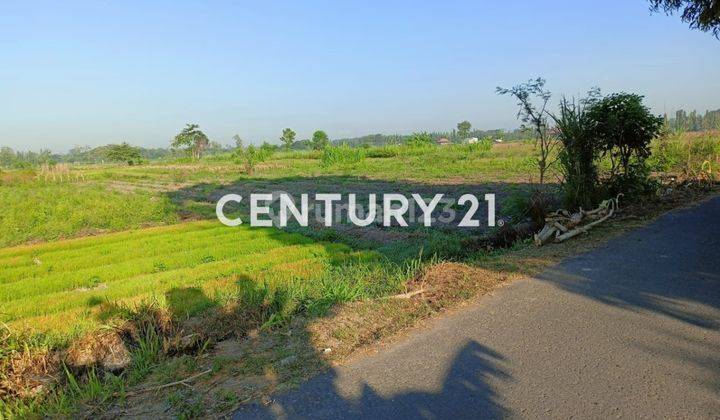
(562, 225)
(582, 229)
(546, 234)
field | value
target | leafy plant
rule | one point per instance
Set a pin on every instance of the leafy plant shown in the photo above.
(287, 138)
(123, 153)
(700, 14)
(251, 156)
(624, 128)
(464, 129)
(320, 140)
(192, 139)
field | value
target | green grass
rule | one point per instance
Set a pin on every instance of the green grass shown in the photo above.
(48, 211)
(114, 197)
(688, 155)
(44, 286)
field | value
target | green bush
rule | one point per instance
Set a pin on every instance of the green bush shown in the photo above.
(623, 128)
(251, 156)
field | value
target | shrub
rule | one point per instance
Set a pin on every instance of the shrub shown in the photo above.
(251, 156)
(335, 155)
(624, 128)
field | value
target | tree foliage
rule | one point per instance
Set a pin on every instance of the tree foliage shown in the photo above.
(624, 127)
(616, 126)
(238, 141)
(287, 138)
(192, 139)
(699, 14)
(464, 129)
(10, 158)
(320, 140)
(123, 152)
(694, 121)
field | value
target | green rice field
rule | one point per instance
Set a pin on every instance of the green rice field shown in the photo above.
(69, 285)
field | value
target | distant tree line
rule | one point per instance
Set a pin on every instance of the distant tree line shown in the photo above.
(694, 121)
(193, 142)
(10, 158)
(455, 136)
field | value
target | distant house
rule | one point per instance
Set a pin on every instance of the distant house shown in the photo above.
(443, 141)
(471, 140)
(498, 140)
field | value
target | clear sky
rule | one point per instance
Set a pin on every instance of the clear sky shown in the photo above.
(95, 72)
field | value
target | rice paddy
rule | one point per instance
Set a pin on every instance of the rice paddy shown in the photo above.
(69, 285)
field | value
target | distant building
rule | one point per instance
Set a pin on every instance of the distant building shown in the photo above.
(471, 140)
(498, 140)
(443, 141)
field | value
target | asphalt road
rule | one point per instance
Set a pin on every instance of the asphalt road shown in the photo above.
(629, 330)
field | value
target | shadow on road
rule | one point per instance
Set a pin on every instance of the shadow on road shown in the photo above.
(465, 394)
(670, 267)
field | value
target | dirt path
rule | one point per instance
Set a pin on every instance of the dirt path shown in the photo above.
(631, 329)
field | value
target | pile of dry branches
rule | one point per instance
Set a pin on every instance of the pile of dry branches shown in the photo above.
(562, 225)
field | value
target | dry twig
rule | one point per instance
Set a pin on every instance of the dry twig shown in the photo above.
(180, 382)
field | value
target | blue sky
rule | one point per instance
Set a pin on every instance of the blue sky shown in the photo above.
(77, 73)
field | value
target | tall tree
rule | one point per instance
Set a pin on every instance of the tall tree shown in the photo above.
(238, 141)
(463, 129)
(320, 139)
(287, 138)
(533, 99)
(192, 139)
(699, 14)
(123, 153)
